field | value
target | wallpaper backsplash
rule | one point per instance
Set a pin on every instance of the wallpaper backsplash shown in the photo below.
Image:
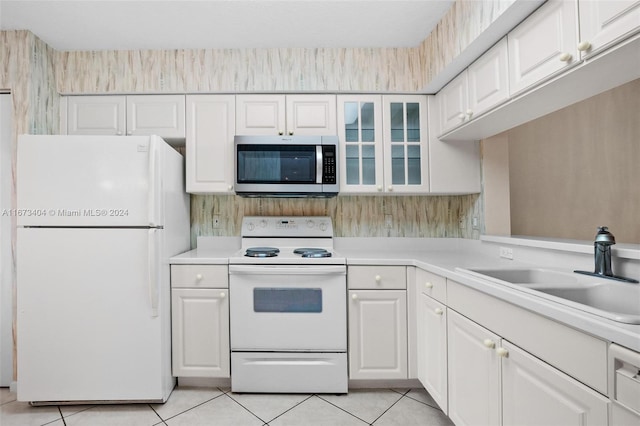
(353, 216)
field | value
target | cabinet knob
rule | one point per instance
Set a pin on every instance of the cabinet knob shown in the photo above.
(378, 278)
(379, 188)
(502, 352)
(291, 133)
(469, 114)
(565, 57)
(489, 343)
(389, 188)
(118, 133)
(428, 284)
(281, 133)
(462, 116)
(438, 311)
(230, 187)
(223, 294)
(129, 133)
(354, 296)
(198, 277)
(584, 46)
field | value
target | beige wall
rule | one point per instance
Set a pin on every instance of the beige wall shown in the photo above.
(573, 170)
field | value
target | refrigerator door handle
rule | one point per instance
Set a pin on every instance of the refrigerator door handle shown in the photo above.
(153, 184)
(153, 278)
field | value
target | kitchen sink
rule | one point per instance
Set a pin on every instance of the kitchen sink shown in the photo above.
(618, 301)
(528, 275)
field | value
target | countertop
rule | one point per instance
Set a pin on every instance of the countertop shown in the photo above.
(442, 257)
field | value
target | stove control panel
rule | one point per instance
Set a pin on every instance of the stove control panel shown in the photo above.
(292, 226)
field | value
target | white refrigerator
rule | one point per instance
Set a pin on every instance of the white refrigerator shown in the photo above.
(98, 219)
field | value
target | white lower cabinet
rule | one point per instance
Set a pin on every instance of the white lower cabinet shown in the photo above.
(432, 348)
(378, 334)
(200, 321)
(473, 373)
(493, 382)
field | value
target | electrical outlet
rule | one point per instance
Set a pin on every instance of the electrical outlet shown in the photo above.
(388, 221)
(506, 252)
(216, 221)
(474, 222)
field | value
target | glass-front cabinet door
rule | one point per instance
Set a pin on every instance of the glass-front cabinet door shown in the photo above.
(405, 144)
(361, 143)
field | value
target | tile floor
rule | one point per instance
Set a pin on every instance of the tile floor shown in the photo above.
(218, 407)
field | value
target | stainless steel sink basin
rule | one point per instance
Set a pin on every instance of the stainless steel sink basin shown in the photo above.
(528, 275)
(618, 301)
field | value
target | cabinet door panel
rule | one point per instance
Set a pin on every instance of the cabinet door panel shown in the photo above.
(209, 143)
(311, 115)
(260, 114)
(604, 22)
(473, 373)
(162, 115)
(489, 79)
(432, 348)
(96, 115)
(537, 46)
(200, 328)
(454, 103)
(378, 334)
(535, 393)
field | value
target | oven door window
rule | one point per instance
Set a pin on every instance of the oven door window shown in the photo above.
(276, 164)
(301, 300)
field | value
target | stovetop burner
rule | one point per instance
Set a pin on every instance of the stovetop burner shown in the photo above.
(312, 252)
(262, 252)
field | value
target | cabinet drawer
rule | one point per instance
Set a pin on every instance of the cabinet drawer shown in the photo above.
(377, 277)
(432, 285)
(200, 276)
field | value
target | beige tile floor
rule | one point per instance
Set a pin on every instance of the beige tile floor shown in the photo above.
(218, 407)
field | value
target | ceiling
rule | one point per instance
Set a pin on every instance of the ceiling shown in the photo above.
(214, 24)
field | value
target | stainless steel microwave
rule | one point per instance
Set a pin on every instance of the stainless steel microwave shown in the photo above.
(286, 166)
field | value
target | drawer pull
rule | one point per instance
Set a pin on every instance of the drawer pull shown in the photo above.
(428, 284)
(438, 311)
(199, 277)
(378, 278)
(223, 294)
(502, 352)
(354, 296)
(489, 343)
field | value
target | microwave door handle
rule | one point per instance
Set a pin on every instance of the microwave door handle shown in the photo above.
(318, 163)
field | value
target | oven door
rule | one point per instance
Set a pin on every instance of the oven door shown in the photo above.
(288, 308)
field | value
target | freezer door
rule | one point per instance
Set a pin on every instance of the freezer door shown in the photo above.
(89, 180)
(92, 315)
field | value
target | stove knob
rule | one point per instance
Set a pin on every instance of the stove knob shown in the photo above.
(311, 223)
(263, 223)
(323, 226)
(251, 226)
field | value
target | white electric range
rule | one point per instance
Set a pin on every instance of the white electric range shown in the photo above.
(288, 307)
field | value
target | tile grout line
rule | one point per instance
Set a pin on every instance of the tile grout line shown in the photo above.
(249, 411)
(351, 414)
(402, 395)
(64, 422)
(156, 413)
(191, 408)
(279, 415)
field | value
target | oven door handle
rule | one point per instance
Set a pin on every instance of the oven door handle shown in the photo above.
(287, 269)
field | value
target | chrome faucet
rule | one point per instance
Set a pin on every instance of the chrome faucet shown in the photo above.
(602, 251)
(602, 256)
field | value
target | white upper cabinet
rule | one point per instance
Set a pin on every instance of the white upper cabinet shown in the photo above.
(361, 150)
(604, 22)
(544, 44)
(162, 115)
(209, 143)
(488, 79)
(405, 144)
(454, 103)
(95, 115)
(286, 115)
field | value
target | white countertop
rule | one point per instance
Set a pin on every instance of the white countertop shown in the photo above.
(442, 256)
